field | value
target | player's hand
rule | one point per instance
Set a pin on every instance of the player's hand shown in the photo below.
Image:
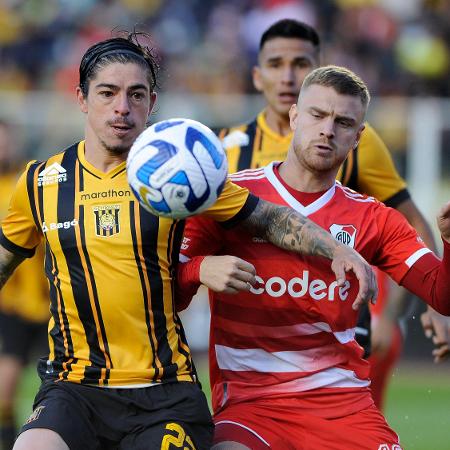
(443, 221)
(227, 274)
(346, 259)
(436, 327)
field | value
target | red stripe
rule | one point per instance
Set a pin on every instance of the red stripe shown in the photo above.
(293, 343)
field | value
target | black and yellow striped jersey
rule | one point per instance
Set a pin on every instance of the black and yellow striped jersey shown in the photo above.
(368, 168)
(25, 294)
(110, 266)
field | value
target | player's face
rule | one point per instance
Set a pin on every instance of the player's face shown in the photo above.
(326, 126)
(117, 106)
(283, 65)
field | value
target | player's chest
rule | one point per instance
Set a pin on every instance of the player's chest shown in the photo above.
(96, 213)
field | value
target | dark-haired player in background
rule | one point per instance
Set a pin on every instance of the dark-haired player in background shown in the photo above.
(24, 311)
(288, 51)
(120, 372)
(286, 370)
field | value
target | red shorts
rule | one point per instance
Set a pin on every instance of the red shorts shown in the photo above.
(262, 425)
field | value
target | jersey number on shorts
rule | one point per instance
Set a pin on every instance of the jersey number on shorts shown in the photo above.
(180, 441)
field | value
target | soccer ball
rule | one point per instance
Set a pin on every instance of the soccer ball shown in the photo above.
(177, 168)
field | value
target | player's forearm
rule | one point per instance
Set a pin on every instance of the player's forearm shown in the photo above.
(188, 282)
(429, 279)
(8, 262)
(290, 230)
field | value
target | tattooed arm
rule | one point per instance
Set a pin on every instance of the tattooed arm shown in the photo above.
(290, 230)
(8, 263)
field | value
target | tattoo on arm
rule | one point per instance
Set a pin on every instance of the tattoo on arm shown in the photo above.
(8, 262)
(289, 229)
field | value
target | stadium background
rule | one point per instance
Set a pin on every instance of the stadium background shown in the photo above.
(400, 48)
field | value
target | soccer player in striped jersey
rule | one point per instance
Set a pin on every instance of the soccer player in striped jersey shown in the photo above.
(288, 51)
(286, 370)
(119, 372)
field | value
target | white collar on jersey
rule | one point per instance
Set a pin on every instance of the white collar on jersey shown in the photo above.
(290, 200)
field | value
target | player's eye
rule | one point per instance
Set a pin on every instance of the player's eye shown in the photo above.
(344, 123)
(137, 95)
(106, 94)
(303, 64)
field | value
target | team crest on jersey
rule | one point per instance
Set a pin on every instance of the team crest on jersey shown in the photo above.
(53, 174)
(345, 234)
(106, 220)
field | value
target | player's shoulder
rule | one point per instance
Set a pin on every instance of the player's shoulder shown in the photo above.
(248, 176)
(370, 139)
(51, 167)
(351, 195)
(237, 135)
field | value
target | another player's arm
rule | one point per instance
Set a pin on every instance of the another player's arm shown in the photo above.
(426, 276)
(378, 177)
(8, 263)
(290, 230)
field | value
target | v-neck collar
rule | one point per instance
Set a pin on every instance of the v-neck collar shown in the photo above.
(289, 198)
(92, 169)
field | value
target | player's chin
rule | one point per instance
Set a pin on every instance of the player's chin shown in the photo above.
(119, 148)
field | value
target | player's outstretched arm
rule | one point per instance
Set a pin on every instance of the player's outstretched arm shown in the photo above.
(288, 229)
(8, 263)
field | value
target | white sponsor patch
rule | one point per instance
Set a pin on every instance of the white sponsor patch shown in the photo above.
(235, 139)
(52, 226)
(53, 174)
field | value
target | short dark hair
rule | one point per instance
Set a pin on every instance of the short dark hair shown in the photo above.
(291, 29)
(118, 49)
(341, 79)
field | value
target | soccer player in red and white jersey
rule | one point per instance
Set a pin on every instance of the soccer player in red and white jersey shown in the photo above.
(286, 371)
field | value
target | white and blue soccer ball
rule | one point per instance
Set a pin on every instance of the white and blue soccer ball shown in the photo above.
(177, 168)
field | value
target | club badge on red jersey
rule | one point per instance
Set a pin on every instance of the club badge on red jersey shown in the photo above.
(345, 234)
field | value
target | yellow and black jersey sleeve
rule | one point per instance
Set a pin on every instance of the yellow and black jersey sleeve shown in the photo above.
(234, 205)
(20, 233)
(377, 175)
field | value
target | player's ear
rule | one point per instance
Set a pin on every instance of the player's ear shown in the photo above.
(358, 135)
(153, 97)
(82, 102)
(293, 114)
(256, 74)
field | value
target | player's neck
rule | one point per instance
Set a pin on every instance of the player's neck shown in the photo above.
(101, 158)
(302, 179)
(278, 124)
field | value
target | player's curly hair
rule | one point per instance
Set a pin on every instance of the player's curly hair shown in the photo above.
(124, 50)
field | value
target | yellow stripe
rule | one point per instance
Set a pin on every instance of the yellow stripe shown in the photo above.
(147, 288)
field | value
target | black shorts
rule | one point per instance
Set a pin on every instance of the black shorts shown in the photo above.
(166, 416)
(363, 333)
(21, 338)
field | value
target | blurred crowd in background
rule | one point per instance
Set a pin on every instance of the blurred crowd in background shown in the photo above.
(207, 49)
(399, 47)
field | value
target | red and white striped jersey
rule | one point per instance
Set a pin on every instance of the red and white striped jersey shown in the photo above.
(294, 331)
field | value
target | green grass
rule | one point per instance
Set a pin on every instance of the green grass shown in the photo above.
(417, 406)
